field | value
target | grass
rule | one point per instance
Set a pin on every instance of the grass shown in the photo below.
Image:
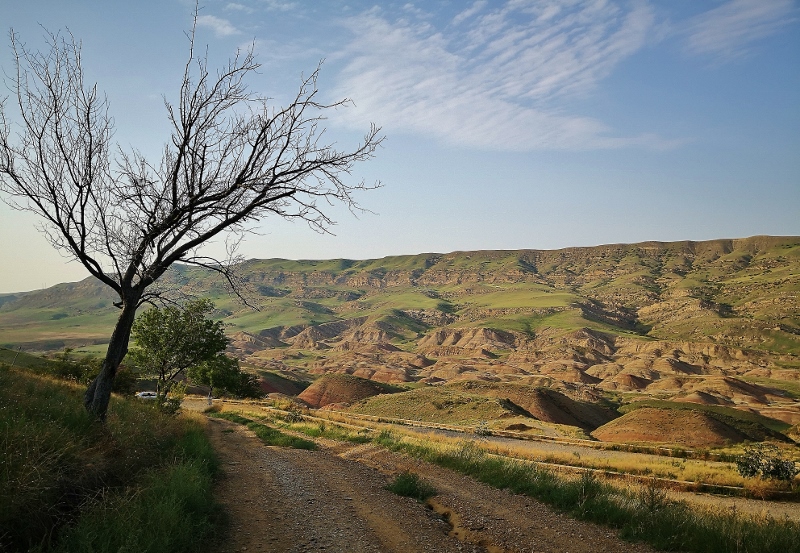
(22, 359)
(331, 431)
(410, 484)
(171, 510)
(68, 483)
(644, 514)
(267, 434)
(439, 405)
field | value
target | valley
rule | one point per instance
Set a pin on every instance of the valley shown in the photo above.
(699, 340)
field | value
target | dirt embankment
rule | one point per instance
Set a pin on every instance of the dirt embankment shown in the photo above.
(333, 499)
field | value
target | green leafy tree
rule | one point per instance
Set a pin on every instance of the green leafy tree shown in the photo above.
(223, 373)
(170, 340)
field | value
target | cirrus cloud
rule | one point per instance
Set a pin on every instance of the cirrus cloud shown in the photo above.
(493, 78)
(221, 27)
(729, 30)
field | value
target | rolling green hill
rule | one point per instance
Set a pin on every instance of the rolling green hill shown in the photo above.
(741, 293)
(713, 323)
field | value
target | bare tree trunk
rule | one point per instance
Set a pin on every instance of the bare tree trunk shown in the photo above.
(98, 394)
(232, 159)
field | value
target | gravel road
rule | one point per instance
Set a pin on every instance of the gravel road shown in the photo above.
(333, 500)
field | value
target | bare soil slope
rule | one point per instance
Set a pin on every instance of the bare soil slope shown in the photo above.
(669, 426)
(340, 389)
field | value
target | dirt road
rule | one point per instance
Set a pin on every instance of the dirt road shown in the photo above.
(333, 500)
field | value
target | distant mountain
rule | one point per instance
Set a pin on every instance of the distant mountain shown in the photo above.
(741, 293)
(689, 321)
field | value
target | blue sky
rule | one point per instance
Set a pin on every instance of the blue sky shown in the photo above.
(519, 124)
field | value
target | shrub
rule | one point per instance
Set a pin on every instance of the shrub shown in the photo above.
(766, 461)
(170, 399)
(409, 484)
(482, 430)
(293, 416)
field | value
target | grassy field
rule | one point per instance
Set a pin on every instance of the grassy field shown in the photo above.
(434, 405)
(69, 484)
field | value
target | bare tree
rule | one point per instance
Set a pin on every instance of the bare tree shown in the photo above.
(231, 160)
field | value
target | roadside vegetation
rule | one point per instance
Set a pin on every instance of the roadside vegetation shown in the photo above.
(410, 484)
(692, 469)
(267, 434)
(141, 481)
(640, 512)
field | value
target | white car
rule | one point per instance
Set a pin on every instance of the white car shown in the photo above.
(146, 395)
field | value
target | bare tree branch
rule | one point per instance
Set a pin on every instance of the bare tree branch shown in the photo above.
(232, 159)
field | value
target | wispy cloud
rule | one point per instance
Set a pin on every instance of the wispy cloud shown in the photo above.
(469, 12)
(279, 5)
(221, 27)
(493, 78)
(729, 30)
(235, 6)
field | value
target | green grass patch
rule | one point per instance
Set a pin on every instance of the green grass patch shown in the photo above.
(172, 510)
(267, 434)
(233, 417)
(331, 431)
(23, 360)
(271, 436)
(410, 484)
(70, 484)
(440, 405)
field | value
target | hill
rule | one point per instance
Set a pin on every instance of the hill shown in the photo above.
(340, 389)
(686, 427)
(708, 323)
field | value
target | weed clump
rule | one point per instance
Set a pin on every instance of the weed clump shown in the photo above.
(267, 434)
(409, 484)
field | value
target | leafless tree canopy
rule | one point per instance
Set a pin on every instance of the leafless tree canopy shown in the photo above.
(232, 159)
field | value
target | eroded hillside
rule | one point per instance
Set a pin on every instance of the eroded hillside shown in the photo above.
(715, 322)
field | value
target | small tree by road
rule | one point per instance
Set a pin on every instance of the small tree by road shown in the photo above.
(171, 340)
(222, 373)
